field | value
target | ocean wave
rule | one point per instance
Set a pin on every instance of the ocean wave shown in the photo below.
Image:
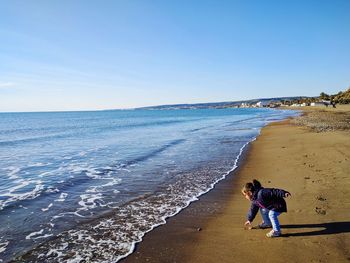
(115, 236)
(3, 246)
(79, 131)
(10, 197)
(152, 153)
(62, 197)
(40, 139)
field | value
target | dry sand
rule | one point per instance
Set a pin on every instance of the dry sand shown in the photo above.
(312, 164)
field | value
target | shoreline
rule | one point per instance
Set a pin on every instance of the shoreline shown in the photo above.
(212, 228)
(190, 202)
(184, 225)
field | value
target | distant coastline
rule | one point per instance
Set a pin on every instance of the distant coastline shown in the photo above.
(226, 104)
(296, 101)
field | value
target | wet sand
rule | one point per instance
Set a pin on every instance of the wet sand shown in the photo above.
(312, 164)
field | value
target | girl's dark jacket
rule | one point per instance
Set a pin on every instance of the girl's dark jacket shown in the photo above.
(269, 198)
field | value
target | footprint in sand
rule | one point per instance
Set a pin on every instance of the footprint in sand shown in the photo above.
(321, 198)
(320, 211)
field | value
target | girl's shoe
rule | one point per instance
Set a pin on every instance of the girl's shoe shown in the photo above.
(273, 233)
(263, 226)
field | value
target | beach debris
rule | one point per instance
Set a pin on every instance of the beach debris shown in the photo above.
(322, 121)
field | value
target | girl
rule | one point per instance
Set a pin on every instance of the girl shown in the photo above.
(271, 204)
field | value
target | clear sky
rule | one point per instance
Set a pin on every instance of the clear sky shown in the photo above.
(86, 55)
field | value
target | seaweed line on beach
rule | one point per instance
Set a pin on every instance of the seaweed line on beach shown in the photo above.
(323, 121)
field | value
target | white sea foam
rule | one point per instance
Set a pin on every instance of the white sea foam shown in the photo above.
(92, 189)
(88, 201)
(38, 164)
(38, 235)
(62, 197)
(33, 234)
(48, 173)
(3, 246)
(13, 197)
(60, 215)
(55, 252)
(92, 173)
(47, 208)
(112, 182)
(13, 172)
(52, 190)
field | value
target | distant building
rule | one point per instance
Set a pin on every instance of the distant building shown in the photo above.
(313, 104)
(274, 105)
(262, 104)
(245, 105)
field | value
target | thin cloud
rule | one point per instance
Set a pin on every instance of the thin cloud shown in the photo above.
(7, 84)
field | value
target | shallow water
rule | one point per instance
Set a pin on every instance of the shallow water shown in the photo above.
(88, 185)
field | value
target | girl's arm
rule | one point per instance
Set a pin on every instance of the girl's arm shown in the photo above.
(252, 212)
(280, 193)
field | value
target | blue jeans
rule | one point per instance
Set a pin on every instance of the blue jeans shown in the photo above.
(270, 217)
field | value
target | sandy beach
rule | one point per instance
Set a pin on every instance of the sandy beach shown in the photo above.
(309, 157)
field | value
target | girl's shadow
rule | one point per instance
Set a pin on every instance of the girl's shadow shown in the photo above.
(320, 229)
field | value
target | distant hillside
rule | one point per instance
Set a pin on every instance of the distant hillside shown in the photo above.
(342, 97)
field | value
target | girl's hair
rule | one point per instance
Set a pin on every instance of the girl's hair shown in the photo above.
(251, 187)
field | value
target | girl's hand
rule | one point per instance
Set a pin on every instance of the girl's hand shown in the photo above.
(287, 194)
(248, 225)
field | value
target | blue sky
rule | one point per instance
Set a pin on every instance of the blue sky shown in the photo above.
(86, 55)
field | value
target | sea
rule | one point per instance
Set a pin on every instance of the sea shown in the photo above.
(87, 186)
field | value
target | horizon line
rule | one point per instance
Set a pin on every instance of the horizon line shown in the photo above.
(150, 106)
